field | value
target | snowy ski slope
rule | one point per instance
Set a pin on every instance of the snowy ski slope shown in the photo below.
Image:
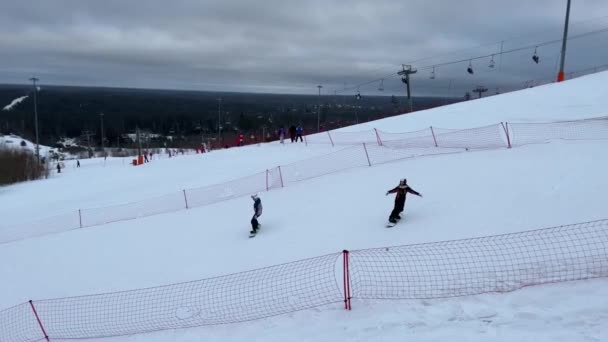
(465, 195)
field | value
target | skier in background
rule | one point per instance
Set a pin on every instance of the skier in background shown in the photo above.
(292, 133)
(401, 190)
(299, 132)
(257, 212)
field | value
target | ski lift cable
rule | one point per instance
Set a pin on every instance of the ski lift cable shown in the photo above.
(572, 24)
(421, 59)
(527, 47)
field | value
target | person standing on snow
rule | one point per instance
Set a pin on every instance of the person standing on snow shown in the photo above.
(299, 132)
(401, 190)
(257, 212)
(292, 133)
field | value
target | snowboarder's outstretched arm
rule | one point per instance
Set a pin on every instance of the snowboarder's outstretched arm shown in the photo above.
(392, 191)
(414, 192)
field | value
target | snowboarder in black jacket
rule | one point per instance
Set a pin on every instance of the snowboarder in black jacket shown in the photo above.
(257, 212)
(401, 190)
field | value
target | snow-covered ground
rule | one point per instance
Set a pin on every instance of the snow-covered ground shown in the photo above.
(550, 102)
(14, 103)
(465, 195)
(483, 193)
(115, 181)
(14, 142)
(552, 313)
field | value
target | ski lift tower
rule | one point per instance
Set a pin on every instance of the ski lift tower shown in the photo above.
(480, 90)
(405, 78)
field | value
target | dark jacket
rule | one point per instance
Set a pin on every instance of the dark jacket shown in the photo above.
(401, 193)
(257, 207)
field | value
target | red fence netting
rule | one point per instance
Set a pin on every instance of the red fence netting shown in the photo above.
(232, 298)
(384, 154)
(228, 190)
(422, 271)
(49, 225)
(536, 133)
(354, 138)
(341, 160)
(416, 139)
(492, 136)
(128, 211)
(18, 324)
(481, 265)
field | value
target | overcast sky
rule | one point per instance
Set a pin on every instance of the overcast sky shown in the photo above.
(290, 46)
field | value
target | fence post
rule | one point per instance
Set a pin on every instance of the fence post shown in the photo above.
(46, 337)
(434, 138)
(346, 274)
(367, 155)
(378, 137)
(330, 139)
(305, 141)
(281, 176)
(267, 179)
(185, 198)
(80, 218)
(505, 128)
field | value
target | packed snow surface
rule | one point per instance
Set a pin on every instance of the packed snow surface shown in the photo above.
(467, 194)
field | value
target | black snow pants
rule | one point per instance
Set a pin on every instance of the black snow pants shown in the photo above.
(398, 209)
(254, 222)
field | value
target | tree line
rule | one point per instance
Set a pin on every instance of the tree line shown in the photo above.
(190, 116)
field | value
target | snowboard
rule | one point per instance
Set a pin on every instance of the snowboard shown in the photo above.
(252, 234)
(391, 224)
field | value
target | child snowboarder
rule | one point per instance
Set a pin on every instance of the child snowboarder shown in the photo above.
(257, 212)
(401, 190)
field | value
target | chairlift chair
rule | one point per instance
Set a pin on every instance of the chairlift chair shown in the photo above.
(535, 57)
(470, 68)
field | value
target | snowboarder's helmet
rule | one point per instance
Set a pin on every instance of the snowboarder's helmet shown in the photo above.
(254, 196)
(403, 183)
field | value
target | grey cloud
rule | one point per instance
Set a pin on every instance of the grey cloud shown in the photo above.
(287, 46)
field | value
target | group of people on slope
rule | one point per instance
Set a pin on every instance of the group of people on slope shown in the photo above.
(295, 133)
